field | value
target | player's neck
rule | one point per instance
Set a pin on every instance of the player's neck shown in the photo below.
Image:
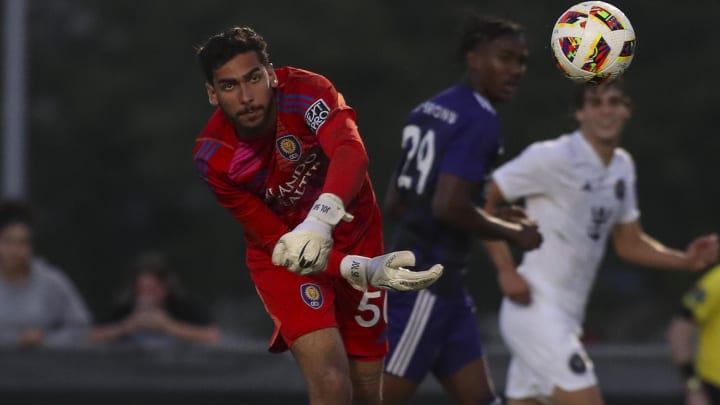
(475, 85)
(605, 148)
(15, 275)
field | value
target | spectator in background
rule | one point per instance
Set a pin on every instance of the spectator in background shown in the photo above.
(156, 310)
(699, 362)
(39, 306)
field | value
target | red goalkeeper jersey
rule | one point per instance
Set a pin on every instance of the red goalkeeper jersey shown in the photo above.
(269, 183)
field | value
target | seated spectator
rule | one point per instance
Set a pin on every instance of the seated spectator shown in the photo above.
(39, 306)
(155, 310)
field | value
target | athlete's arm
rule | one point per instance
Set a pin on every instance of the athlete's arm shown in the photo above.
(452, 204)
(512, 284)
(306, 248)
(634, 245)
(340, 140)
(261, 225)
(682, 335)
(393, 205)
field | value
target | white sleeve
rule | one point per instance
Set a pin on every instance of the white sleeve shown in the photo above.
(525, 175)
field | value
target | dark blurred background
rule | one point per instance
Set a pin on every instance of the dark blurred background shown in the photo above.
(115, 99)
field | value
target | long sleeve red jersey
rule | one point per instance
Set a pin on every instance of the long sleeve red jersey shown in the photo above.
(269, 183)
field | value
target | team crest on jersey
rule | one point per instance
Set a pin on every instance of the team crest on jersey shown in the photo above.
(317, 114)
(620, 189)
(312, 295)
(577, 363)
(289, 147)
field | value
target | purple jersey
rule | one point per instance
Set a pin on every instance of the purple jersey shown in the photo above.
(455, 132)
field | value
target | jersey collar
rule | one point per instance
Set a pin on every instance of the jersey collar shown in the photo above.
(484, 103)
(588, 151)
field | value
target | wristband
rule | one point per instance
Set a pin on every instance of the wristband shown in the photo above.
(693, 384)
(687, 370)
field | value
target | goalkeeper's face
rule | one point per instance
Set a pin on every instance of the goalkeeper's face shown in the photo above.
(15, 247)
(243, 88)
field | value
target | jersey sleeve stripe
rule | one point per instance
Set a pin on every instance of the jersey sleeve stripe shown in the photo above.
(300, 96)
(207, 149)
(291, 110)
(292, 103)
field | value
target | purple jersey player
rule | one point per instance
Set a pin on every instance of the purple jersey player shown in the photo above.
(449, 144)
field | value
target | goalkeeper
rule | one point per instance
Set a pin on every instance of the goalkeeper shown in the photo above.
(283, 154)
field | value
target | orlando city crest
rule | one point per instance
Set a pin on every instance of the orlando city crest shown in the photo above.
(312, 295)
(289, 147)
(620, 189)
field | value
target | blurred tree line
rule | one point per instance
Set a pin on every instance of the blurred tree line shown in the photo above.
(116, 99)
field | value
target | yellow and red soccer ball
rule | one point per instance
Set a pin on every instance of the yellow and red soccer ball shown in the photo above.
(592, 42)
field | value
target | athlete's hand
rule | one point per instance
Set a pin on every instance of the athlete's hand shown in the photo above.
(528, 237)
(305, 249)
(512, 213)
(514, 286)
(702, 252)
(696, 396)
(387, 272)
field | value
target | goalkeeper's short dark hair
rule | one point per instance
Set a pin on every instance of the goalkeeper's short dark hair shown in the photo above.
(222, 47)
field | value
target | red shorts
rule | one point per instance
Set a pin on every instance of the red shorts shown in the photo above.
(299, 305)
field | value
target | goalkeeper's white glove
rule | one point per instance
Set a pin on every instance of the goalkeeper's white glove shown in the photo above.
(386, 272)
(305, 249)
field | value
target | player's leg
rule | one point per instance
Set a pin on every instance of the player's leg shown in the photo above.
(461, 367)
(362, 320)
(304, 312)
(324, 365)
(584, 396)
(416, 331)
(522, 387)
(366, 377)
(549, 361)
(397, 390)
(362, 327)
(471, 385)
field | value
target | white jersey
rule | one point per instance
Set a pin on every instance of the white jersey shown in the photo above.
(576, 200)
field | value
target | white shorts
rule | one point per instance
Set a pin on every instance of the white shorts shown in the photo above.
(545, 351)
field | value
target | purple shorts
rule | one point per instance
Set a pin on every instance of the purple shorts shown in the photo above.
(430, 333)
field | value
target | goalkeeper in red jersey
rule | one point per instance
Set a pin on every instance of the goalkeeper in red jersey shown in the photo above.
(282, 152)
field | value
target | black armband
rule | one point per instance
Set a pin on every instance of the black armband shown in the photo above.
(687, 370)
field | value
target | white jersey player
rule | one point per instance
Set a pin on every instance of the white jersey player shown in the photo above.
(580, 188)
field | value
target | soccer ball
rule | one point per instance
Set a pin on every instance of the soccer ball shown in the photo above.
(592, 42)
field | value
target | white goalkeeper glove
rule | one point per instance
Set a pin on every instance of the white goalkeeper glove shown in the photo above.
(386, 272)
(305, 249)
